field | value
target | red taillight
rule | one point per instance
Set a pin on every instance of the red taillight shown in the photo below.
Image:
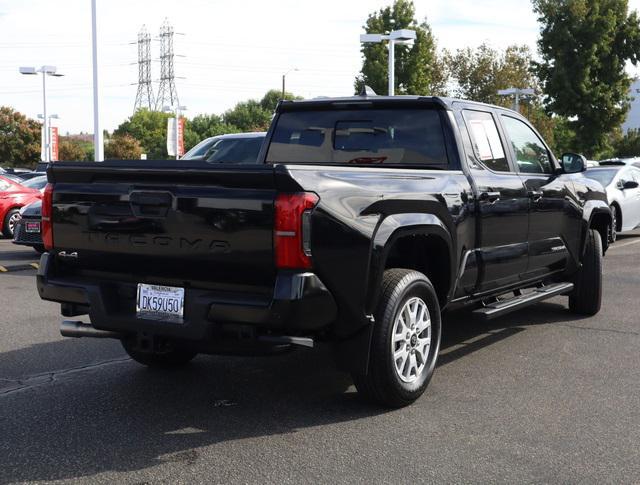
(292, 230)
(47, 213)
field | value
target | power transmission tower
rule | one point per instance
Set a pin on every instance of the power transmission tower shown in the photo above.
(167, 93)
(144, 96)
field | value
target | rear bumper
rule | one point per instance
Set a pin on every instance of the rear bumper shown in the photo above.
(300, 304)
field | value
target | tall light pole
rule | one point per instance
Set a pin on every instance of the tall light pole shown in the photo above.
(395, 37)
(516, 93)
(178, 111)
(46, 71)
(98, 144)
(284, 76)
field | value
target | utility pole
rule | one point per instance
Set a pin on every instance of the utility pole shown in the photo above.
(98, 145)
(167, 93)
(144, 95)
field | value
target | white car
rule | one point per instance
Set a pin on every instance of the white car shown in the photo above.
(622, 184)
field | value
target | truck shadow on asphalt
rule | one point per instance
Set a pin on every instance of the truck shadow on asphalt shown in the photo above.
(120, 417)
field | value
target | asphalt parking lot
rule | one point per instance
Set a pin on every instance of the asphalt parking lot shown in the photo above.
(538, 396)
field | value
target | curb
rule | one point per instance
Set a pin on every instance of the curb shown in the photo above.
(18, 267)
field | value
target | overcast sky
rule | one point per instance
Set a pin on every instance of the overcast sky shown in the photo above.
(233, 50)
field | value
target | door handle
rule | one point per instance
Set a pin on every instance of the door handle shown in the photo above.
(535, 195)
(489, 196)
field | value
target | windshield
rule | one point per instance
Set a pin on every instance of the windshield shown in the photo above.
(198, 151)
(360, 136)
(235, 150)
(35, 182)
(603, 176)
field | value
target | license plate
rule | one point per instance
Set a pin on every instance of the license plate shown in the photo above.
(155, 302)
(32, 226)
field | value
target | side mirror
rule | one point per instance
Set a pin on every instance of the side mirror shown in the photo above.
(573, 163)
(629, 184)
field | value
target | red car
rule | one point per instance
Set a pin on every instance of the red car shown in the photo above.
(13, 196)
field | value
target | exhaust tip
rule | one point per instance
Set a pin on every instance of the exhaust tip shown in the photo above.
(73, 329)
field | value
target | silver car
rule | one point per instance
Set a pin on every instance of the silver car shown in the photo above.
(622, 184)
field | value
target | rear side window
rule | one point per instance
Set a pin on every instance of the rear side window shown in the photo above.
(486, 140)
(365, 136)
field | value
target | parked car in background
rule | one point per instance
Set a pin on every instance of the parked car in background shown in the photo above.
(237, 148)
(28, 175)
(621, 182)
(28, 228)
(13, 196)
(37, 182)
(635, 161)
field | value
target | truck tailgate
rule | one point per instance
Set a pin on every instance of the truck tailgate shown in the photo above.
(162, 222)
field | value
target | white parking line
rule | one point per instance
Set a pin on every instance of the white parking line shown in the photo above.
(616, 246)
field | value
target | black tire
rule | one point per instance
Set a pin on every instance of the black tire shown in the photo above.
(613, 230)
(382, 384)
(586, 298)
(39, 249)
(164, 360)
(6, 230)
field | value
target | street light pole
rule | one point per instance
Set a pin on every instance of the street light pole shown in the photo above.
(47, 138)
(45, 71)
(401, 37)
(283, 80)
(392, 67)
(98, 144)
(516, 93)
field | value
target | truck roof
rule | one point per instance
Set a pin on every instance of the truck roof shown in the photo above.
(443, 102)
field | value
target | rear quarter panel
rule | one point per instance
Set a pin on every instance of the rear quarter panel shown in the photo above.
(356, 213)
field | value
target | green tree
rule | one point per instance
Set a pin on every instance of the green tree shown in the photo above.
(122, 147)
(74, 150)
(150, 129)
(418, 69)
(205, 126)
(248, 116)
(270, 100)
(19, 139)
(479, 73)
(584, 46)
(628, 145)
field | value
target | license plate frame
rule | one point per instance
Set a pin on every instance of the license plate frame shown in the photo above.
(32, 227)
(160, 303)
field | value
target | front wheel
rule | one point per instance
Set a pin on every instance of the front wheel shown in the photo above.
(10, 221)
(586, 297)
(165, 360)
(405, 341)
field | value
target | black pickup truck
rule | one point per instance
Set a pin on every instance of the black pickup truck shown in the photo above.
(362, 221)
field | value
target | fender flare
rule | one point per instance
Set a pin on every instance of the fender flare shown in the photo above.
(396, 226)
(591, 209)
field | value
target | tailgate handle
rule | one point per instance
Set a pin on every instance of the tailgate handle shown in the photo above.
(150, 204)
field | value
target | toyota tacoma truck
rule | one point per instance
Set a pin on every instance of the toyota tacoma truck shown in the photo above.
(363, 220)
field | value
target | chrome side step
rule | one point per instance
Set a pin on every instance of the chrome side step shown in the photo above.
(521, 300)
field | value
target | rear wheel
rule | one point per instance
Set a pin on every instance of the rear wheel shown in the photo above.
(405, 342)
(164, 360)
(586, 298)
(10, 221)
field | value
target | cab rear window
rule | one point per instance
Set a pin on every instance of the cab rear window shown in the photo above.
(362, 137)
